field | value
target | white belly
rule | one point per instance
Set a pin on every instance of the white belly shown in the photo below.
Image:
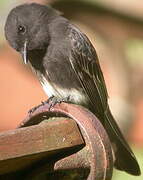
(74, 95)
(50, 89)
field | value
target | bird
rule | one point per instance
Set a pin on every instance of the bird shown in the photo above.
(67, 66)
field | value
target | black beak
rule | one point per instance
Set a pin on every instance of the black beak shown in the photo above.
(24, 53)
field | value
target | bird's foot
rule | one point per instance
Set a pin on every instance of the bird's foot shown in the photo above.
(42, 103)
(52, 101)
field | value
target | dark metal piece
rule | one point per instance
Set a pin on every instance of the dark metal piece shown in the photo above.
(97, 154)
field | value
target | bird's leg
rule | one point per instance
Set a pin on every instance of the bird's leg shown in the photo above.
(47, 101)
(52, 101)
(42, 103)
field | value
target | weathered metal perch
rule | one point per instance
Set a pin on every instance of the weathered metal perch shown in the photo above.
(54, 147)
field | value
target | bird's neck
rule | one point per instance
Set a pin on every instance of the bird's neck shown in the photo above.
(58, 27)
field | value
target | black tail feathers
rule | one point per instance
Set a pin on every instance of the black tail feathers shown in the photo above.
(125, 158)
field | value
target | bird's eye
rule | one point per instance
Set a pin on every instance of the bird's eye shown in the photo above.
(21, 29)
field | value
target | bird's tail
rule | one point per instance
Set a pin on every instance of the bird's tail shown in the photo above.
(125, 159)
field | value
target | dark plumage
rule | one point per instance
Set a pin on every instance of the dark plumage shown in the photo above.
(67, 66)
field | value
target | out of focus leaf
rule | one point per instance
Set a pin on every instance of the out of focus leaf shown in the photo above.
(134, 51)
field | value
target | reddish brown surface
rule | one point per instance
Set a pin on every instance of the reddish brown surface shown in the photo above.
(137, 130)
(19, 90)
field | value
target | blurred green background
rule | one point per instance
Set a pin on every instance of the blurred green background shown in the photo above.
(116, 30)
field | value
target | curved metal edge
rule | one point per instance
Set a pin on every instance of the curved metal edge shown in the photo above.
(94, 134)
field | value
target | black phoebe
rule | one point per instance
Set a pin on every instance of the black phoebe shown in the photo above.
(67, 66)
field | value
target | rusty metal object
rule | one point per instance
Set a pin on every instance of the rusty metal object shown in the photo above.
(54, 148)
(28, 145)
(97, 154)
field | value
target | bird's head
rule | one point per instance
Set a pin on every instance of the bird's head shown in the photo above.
(26, 27)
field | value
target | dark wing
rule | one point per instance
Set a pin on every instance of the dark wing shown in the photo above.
(86, 65)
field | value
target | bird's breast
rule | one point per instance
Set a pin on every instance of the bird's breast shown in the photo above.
(74, 95)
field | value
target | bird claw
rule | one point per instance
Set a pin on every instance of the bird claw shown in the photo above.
(51, 101)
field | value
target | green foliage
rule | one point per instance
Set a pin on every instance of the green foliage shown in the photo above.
(134, 51)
